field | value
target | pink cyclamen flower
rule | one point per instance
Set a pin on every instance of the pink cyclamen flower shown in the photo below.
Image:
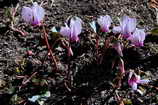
(127, 26)
(104, 22)
(73, 29)
(134, 80)
(33, 15)
(138, 37)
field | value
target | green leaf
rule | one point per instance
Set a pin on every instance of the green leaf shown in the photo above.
(55, 36)
(154, 31)
(34, 80)
(47, 94)
(127, 101)
(15, 99)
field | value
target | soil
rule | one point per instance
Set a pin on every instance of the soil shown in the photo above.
(82, 79)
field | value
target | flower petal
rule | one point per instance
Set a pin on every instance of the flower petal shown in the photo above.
(27, 14)
(38, 13)
(104, 22)
(134, 86)
(123, 22)
(130, 75)
(116, 29)
(131, 24)
(128, 26)
(138, 37)
(75, 27)
(72, 28)
(144, 81)
(33, 15)
(65, 31)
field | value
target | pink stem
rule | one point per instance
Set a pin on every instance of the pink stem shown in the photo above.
(49, 48)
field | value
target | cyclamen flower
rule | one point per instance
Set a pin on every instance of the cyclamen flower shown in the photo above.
(73, 29)
(33, 15)
(104, 22)
(138, 37)
(134, 80)
(127, 26)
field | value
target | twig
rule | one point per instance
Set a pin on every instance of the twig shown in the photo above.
(26, 81)
(13, 12)
(17, 30)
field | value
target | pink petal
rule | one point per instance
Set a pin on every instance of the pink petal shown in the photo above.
(104, 22)
(131, 25)
(128, 26)
(144, 81)
(27, 14)
(76, 24)
(132, 82)
(133, 78)
(137, 77)
(73, 30)
(65, 31)
(78, 19)
(124, 22)
(33, 15)
(38, 13)
(138, 37)
(134, 86)
(116, 29)
(130, 75)
(76, 27)
(74, 33)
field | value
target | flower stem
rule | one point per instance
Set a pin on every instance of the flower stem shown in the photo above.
(49, 48)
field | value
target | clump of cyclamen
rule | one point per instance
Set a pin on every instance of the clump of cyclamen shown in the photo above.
(72, 28)
(129, 31)
(33, 15)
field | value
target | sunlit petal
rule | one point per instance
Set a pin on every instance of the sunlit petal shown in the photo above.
(116, 29)
(138, 37)
(27, 14)
(104, 22)
(65, 31)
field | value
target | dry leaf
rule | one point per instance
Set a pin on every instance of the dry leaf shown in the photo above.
(153, 3)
